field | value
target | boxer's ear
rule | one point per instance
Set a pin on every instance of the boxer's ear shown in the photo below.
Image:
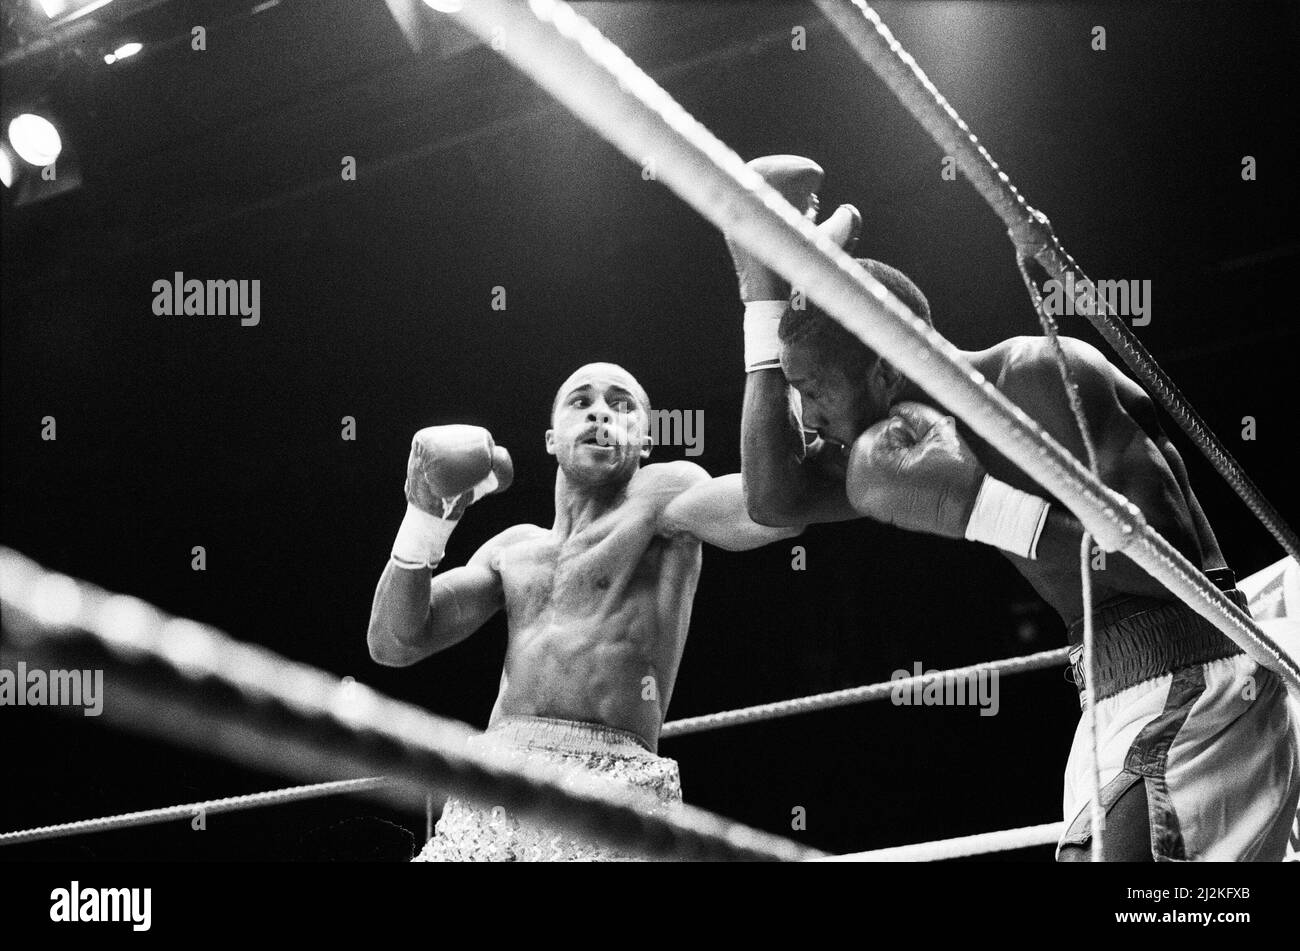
(550, 442)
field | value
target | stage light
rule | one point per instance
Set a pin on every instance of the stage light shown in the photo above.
(35, 139)
(6, 166)
(71, 9)
(445, 6)
(122, 52)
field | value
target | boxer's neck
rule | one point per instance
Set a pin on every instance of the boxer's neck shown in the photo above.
(578, 506)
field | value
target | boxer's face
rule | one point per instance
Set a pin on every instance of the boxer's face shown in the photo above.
(839, 408)
(599, 425)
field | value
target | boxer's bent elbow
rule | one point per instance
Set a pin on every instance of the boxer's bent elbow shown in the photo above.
(388, 650)
(772, 513)
(758, 504)
(788, 530)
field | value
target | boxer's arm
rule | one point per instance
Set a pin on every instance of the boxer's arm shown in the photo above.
(784, 485)
(414, 616)
(712, 510)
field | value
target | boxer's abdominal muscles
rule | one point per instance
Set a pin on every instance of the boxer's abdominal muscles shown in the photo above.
(596, 629)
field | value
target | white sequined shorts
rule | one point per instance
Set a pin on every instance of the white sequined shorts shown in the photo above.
(467, 833)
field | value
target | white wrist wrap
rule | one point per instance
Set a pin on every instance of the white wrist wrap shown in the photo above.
(1007, 518)
(762, 348)
(487, 485)
(422, 540)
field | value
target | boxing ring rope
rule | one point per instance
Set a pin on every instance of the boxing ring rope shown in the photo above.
(712, 721)
(1033, 236)
(186, 682)
(1006, 840)
(274, 797)
(962, 847)
(572, 60)
(864, 694)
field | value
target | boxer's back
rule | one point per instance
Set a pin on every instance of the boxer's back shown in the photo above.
(1134, 456)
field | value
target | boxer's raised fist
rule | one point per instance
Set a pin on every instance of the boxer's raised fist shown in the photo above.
(913, 470)
(450, 467)
(797, 179)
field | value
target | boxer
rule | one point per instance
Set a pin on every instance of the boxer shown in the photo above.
(1197, 755)
(597, 605)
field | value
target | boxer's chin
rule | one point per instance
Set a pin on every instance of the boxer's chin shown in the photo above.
(595, 465)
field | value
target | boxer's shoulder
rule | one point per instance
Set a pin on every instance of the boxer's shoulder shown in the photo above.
(661, 484)
(490, 550)
(1031, 363)
(1025, 370)
(665, 480)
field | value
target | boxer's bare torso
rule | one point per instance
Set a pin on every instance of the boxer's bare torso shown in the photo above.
(598, 605)
(598, 608)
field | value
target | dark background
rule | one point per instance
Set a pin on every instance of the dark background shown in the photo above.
(175, 431)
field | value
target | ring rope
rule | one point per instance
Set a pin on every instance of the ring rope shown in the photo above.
(189, 683)
(852, 695)
(1090, 672)
(274, 797)
(967, 845)
(1032, 233)
(567, 56)
(1096, 811)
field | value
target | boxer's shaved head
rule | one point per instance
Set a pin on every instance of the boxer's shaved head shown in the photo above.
(600, 422)
(597, 374)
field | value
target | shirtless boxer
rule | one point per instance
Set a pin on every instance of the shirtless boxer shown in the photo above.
(597, 606)
(1198, 758)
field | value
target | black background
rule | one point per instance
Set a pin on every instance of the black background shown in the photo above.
(183, 431)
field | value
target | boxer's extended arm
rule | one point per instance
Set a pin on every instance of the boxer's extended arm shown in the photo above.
(413, 617)
(784, 485)
(712, 510)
